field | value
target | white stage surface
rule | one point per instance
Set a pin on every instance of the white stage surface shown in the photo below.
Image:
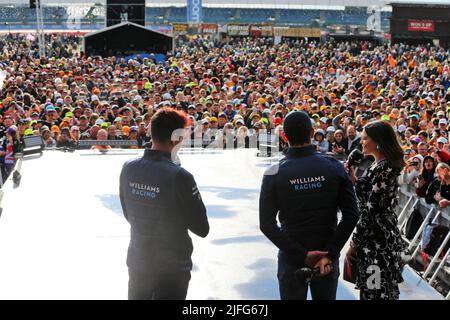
(63, 234)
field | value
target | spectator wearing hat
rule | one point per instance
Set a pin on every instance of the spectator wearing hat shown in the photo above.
(21, 126)
(192, 111)
(75, 133)
(254, 118)
(230, 112)
(443, 124)
(50, 116)
(213, 123)
(204, 132)
(323, 123)
(55, 131)
(66, 122)
(125, 132)
(277, 121)
(133, 135)
(442, 143)
(320, 141)
(443, 156)
(143, 138)
(221, 120)
(118, 123)
(242, 135)
(414, 122)
(83, 125)
(329, 136)
(47, 137)
(401, 131)
(29, 132)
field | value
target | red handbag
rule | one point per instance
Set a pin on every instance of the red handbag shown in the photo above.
(350, 269)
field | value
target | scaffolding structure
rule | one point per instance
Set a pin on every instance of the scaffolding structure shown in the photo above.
(40, 28)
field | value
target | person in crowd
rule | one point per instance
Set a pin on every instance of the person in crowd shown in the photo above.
(8, 149)
(353, 139)
(320, 142)
(133, 136)
(65, 139)
(339, 145)
(412, 170)
(426, 177)
(102, 135)
(423, 148)
(242, 137)
(46, 136)
(438, 191)
(75, 132)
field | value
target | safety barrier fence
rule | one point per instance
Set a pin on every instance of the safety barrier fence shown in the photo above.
(438, 269)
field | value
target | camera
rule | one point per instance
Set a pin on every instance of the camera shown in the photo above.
(355, 158)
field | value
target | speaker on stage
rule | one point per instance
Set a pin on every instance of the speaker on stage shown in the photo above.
(118, 11)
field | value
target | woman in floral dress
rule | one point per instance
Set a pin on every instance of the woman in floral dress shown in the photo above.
(377, 245)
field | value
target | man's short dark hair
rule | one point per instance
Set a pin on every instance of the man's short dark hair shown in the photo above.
(165, 121)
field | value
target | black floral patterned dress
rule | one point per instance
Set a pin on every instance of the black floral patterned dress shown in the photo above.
(377, 239)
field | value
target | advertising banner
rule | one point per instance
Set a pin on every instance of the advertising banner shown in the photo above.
(261, 31)
(164, 28)
(297, 32)
(241, 30)
(194, 11)
(420, 25)
(180, 27)
(210, 28)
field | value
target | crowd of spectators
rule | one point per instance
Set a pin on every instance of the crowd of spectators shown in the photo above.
(231, 93)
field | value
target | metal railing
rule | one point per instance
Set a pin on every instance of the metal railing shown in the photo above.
(408, 202)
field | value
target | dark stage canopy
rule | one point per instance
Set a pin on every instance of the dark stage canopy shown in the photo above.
(126, 39)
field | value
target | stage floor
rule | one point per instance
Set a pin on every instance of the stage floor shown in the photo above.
(63, 235)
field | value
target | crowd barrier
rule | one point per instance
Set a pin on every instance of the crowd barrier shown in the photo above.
(438, 269)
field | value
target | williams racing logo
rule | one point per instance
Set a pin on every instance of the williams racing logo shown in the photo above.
(310, 183)
(143, 190)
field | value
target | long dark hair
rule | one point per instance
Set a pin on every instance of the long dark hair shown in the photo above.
(428, 175)
(384, 135)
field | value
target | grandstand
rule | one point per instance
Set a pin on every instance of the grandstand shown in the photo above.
(70, 14)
